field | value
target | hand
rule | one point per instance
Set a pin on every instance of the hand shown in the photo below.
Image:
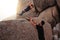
(33, 22)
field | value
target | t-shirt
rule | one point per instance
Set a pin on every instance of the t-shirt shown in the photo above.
(27, 9)
(40, 32)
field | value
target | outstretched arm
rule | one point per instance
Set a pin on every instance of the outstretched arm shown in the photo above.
(33, 22)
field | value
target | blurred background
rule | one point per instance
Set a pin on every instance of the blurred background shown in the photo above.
(10, 8)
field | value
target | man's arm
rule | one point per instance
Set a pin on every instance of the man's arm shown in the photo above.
(33, 22)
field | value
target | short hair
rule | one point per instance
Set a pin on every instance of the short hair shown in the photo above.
(42, 22)
(32, 5)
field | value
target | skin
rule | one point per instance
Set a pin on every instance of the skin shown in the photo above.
(33, 22)
(31, 6)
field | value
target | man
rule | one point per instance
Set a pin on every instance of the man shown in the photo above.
(29, 7)
(39, 28)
